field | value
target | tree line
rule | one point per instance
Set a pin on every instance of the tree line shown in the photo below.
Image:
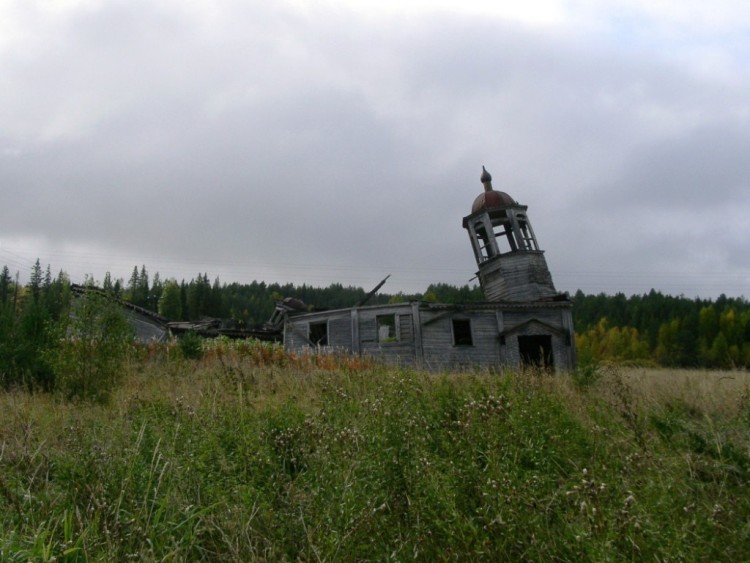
(652, 328)
(663, 330)
(251, 304)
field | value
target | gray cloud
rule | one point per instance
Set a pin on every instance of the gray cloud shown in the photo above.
(260, 142)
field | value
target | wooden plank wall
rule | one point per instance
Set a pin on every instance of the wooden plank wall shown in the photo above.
(401, 351)
(516, 277)
(340, 332)
(437, 341)
(355, 331)
(296, 330)
(563, 347)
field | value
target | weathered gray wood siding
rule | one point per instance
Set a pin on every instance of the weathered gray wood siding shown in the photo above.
(402, 349)
(488, 324)
(441, 353)
(538, 322)
(340, 331)
(514, 318)
(297, 330)
(146, 329)
(561, 351)
(518, 277)
(295, 335)
(570, 348)
(424, 337)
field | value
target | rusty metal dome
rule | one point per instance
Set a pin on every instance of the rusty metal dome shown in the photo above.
(490, 198)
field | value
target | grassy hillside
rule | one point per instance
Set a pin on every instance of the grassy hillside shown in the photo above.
(251, 454)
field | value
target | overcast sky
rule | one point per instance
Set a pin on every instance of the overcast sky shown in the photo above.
(334, 141)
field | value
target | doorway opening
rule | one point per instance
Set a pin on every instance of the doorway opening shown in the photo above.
(536, 351)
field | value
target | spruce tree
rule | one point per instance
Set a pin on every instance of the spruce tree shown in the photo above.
(5, 281)
(35, 282)
(132, 294)
(155, 293)
(107, 284)
(143, 287)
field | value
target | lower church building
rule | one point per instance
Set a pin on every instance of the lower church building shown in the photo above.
(523, 321)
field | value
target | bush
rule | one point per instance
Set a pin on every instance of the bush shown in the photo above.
(90, 361)
(191, 346)
(587, 372)
(26, 344)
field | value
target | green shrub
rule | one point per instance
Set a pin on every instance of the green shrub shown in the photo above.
(587, 372)
(89, 362)
(27, 342)
(191, 346)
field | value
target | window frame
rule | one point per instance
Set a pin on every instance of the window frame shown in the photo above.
(393, 328)
(311, 332)
(462, 335)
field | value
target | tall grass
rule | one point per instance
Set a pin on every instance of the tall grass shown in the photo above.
(253, 454)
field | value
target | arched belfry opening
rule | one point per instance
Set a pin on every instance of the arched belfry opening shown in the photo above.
(511, 265)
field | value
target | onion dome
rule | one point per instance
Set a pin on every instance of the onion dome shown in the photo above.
(490, 198)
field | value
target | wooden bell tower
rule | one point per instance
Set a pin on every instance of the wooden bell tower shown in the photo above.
(511, 265)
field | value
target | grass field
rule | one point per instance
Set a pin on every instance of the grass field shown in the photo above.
(250, 454)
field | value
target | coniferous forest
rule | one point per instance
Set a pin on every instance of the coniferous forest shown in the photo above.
(650, 329)
(221, 449)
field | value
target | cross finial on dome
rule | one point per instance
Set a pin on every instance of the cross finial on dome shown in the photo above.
(486, 179)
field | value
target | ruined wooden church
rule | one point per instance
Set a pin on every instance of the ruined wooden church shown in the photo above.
(524, 320)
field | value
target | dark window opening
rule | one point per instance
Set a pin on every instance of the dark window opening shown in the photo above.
(386, 328)
(536, 351)
(462, 332)
(318, 333)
